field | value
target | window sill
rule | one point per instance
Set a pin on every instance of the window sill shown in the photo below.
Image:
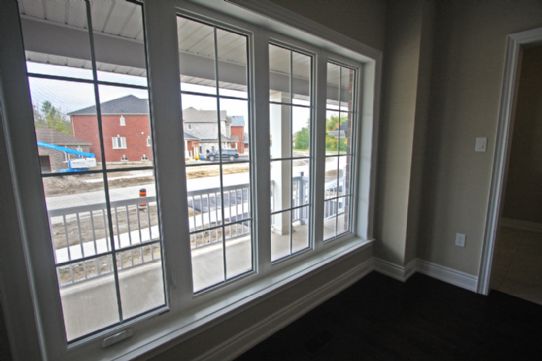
(170, 329)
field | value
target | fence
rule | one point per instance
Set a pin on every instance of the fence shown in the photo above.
(83, 247)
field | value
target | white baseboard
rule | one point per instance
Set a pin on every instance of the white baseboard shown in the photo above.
(395, 271)
(434, 270)
(521, 224)
(239, 343)
(448, 275)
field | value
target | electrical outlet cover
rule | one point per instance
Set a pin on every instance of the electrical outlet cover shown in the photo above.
(460, 239)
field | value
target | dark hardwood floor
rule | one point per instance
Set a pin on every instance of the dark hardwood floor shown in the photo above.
(423, 319)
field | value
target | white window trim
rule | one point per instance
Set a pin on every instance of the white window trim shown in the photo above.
(119, 142)
(122, 121)
(161, 33)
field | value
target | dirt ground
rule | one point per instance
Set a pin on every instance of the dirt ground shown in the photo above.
(72, 184)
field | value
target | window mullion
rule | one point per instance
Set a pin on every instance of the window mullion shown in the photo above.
(163, 66)
(319, 140)
(260, 149)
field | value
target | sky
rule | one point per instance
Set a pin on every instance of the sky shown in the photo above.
(69, 95)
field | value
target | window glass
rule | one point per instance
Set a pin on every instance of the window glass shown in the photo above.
(290, 139)
(119, 41)
(197, 56)
(215, 117)
(339, 154)
(103, 217)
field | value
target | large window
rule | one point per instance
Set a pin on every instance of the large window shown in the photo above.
(250, 163)
(102, 209)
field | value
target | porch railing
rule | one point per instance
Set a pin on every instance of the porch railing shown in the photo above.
(81, 237)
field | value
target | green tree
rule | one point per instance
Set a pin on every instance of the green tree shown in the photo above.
(302, 139)
(333, 140)
(51, 117)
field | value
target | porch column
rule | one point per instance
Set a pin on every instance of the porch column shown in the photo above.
(280, 120)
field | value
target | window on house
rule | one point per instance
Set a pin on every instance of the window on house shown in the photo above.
(219, 214)
(106, 246)
(290, 137)
(122, 121)
(149, 141)
(119, 142)
(340, 112)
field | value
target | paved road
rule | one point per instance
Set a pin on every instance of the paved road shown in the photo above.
(130, 192)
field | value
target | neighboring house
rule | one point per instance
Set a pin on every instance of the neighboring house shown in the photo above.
(238, 132)
(53, 160)
(126, 130)
(201, 131)
(125, 125)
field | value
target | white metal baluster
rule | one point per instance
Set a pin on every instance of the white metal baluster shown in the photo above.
(105, 231)
(117, 226)
(128, 223)
(68, 247)
(148, 206)
(139, 225)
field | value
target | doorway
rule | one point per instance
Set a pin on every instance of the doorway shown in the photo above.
(517, 260)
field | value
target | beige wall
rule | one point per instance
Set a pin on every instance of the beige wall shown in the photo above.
(523, 195)
(423, 101)
(466, 81)
(406, 74)
(362, 20)
(400, 74)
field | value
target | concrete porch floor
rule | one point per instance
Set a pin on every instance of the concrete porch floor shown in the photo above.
(92, 305)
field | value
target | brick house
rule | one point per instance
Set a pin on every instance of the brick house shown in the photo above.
(238, 133)
(126, 130)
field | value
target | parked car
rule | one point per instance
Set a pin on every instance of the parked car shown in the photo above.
(230, 154)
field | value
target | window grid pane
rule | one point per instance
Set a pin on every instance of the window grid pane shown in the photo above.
(218, 164)
(290, 138)
(339, 159)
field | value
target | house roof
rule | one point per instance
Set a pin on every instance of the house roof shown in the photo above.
(129, 104)
(52, 136)
(188, 136)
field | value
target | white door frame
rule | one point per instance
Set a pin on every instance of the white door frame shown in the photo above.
(514, 44)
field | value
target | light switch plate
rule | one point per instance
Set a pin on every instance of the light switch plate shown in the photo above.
(480, 144)
(460, 239)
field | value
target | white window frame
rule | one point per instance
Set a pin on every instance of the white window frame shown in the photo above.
(155, 329)
(122, 121)
(119, 142)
